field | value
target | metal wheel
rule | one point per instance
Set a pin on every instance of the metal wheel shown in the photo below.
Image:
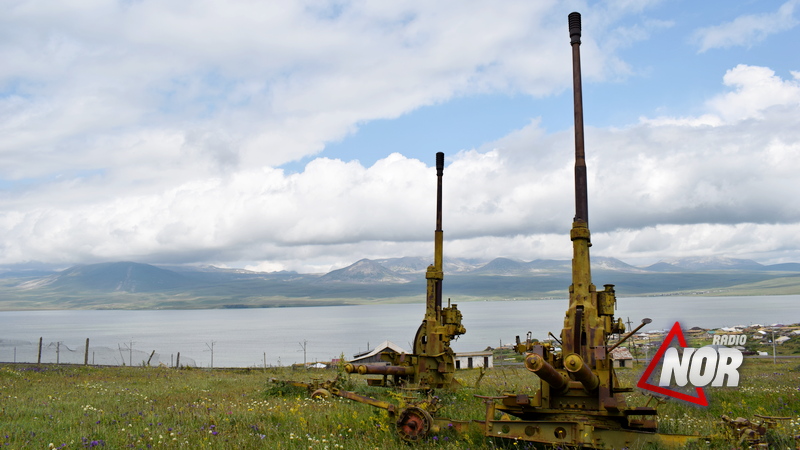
(321, 394)
(413, 424)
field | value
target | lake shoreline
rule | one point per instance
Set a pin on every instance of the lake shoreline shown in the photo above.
(315, 303)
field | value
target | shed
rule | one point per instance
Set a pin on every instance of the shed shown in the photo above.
(470, 360)
(782, 339)
(621, 357)
(374, 355)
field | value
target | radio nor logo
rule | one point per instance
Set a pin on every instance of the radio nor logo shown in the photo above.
(697, 367)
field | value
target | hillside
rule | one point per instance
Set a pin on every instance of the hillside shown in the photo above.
(125, 285)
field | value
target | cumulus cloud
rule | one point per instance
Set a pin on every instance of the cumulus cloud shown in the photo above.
(151, 131)
(656, 189)
(268, 84)
(756, 89)
(747, 29)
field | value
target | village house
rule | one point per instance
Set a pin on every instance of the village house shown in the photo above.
(621, 357)
(470, 360)
(374, 355)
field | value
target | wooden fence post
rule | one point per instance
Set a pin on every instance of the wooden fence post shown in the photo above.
(151, 357)
(86, 354)
(39, 360)
(178, 361)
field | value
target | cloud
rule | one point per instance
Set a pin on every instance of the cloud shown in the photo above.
(151, 131)
(268, 84)
(756, 89)
(658, 188)
(747, 29)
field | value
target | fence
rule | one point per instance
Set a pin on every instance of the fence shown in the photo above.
(69, 353)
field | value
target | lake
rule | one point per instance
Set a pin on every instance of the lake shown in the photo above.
(283, 336)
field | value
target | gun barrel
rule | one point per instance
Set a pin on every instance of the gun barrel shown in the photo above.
(580, 371)
(546, 372)
(581, 196)
(438, 234)
(378, 369)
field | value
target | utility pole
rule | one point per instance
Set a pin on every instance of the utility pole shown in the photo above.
(774, 358)
(211, 347)
(303, 346)
(130, 354)
(633, 341)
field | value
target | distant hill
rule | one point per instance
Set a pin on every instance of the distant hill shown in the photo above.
(124, 285)
(705, 263)
(511, 267)
(115, 277)
(418, 265)
(407, 264)
(785, 267)
(661, 266)
(605, 263)
(504, 267)
(550, 265)
(361, 272)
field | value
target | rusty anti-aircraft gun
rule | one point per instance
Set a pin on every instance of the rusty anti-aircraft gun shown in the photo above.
(430, 366)
(580, 401)
(432, 363)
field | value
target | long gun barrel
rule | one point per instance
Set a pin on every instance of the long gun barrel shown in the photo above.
(582, 308)
(581, 372)
(581, 202)
(436, 274)
(546, 372)
(378, 369)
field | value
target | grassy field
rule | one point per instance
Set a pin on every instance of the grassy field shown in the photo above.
(149, 407)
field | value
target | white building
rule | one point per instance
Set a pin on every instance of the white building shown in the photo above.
(470, 360)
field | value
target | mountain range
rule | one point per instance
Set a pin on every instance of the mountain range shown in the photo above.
(136, 285)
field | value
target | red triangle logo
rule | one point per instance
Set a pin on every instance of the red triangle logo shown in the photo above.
(700, 399)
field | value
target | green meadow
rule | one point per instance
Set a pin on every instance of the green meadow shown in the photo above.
(156, 407)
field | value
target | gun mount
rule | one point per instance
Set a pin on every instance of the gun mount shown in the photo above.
(580, 402)
(432, 363)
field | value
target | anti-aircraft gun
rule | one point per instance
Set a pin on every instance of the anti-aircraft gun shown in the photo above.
(430, 366)
(432, 363)
(580, 401)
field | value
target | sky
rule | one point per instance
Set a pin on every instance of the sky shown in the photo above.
(301, 135)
